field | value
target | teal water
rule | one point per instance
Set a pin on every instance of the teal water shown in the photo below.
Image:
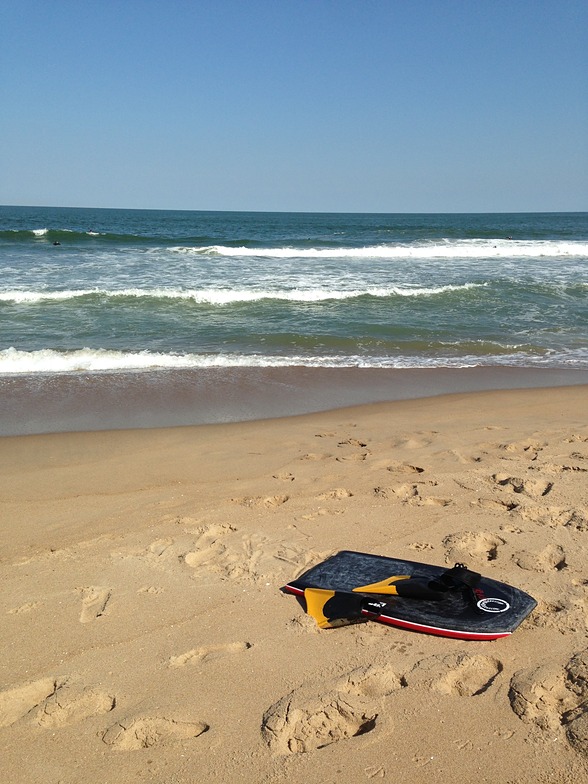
(86, 291)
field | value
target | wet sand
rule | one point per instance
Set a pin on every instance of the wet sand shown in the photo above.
(170, 398)
(145, 637)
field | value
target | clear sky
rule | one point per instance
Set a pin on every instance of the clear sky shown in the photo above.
(318, 105)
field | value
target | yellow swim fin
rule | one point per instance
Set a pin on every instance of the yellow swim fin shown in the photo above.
(316, 598)
(333, 608)
(386, 586)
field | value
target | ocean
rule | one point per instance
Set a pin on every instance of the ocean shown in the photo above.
(204, 297)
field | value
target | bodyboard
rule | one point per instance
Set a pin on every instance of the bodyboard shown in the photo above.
(487, 612)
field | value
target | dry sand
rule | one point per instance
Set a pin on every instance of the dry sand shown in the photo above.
(144, 636)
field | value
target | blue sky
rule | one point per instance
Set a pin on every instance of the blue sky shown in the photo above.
(318, 105)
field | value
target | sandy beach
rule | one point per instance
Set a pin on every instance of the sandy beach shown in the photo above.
(145, 638)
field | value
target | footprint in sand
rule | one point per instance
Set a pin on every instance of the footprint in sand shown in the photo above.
(538, 695)
(404, 468)
(435, 501)
(261, 502)
(381, 492)
(352, 442)
(471, 546)
(145, 732)
(420, 546)
(457, 455)
(577, 718)
(303, 721)
(94, 601)
(531, 487)
(418, 440)
(208, 545)
(356, 457)
(494, 505)
(578, 520)
(150, 589)
(260, 559)
(550, 558)
(69, 707)
(554, 517)
(461, 674)
(20, 700)
(159, 547)
(208, 653)
(25, 608)
(371, 680)
(353, 456)
(553, 698)
(562, 468)
(159, 554)
(252, 557)
(310, 718)
(337, 494)
(576, 438)
(568, 615)
(529, 449)
(411, 494)
(375, 771)
(404, 493)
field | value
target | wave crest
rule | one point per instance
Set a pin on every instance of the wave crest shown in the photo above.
(442, 249)
(49, 361)
(213, 296)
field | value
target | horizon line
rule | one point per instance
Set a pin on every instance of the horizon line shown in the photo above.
(303, 212)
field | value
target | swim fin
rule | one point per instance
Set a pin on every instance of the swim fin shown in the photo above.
(458, 577)
(405, 586)
(333, 608)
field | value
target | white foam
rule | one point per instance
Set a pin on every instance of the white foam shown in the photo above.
(47, 361)
(442, 249)
(39, 296)
(212, 296)
(40, 232)
(92, 360)
(227, 297)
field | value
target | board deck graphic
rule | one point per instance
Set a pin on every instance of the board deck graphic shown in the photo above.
(351, 586)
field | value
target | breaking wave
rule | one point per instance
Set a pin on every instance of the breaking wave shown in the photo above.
(48, 361)
(444, 249)
(213, 296)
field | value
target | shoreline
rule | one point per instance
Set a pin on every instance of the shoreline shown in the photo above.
(112, 401)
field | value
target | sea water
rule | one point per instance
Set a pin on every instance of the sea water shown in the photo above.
(129, 289)
(89, 291)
